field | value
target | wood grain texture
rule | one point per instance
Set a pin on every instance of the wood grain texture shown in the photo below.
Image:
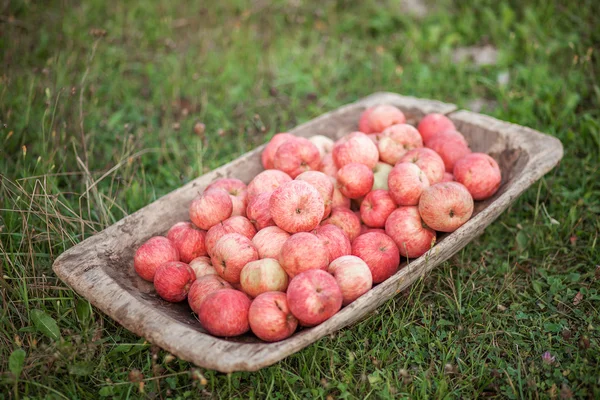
(101, 267)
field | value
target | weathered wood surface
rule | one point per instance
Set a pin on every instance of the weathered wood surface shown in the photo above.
(101, 267)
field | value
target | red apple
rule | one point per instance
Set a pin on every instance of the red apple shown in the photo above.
(210, 208)
(409, 233)
(355, 147)
(301, 252)
(204, 286)
(346, 220)
(383, 116)
(152, 254)
(266, 182)
(225, 313)
(323, 143)
(296, 156)
(259, 212)
(313, 297)
(328, 166)
(452, 135)
(189, 240)
(241, 225)
(296, 206)
(363, 123)
(202, 266)
(213, 235)
(355, 180)
(480, 174)
(270, 317)
(448, 177)
(237, 224)
(231, 253)
(432, 124)
(338, 199)
(380, 176)
(446, 206)
(406, 183)
(324, 186)
(376, 207)
(176, 229)
(335, 240)
(353, 276)
(450, 148)
(269, 241)
(172, 281)
(237, 191)
(429, 161)
(271, 147)
(396, 140)
(379, 252)
(262, 276)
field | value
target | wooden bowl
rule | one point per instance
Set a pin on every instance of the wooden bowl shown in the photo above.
(101, 267)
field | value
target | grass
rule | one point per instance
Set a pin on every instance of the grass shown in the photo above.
(97, 105)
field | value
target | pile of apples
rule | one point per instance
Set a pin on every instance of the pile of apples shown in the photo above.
(320, 226)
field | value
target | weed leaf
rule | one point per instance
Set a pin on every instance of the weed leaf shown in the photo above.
(45, 324)
(16, 361)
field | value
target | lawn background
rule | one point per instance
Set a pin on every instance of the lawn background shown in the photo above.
(98, 101)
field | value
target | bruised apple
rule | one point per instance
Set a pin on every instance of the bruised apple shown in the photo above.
(270, 317)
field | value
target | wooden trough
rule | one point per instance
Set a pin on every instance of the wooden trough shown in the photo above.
(101, 268)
